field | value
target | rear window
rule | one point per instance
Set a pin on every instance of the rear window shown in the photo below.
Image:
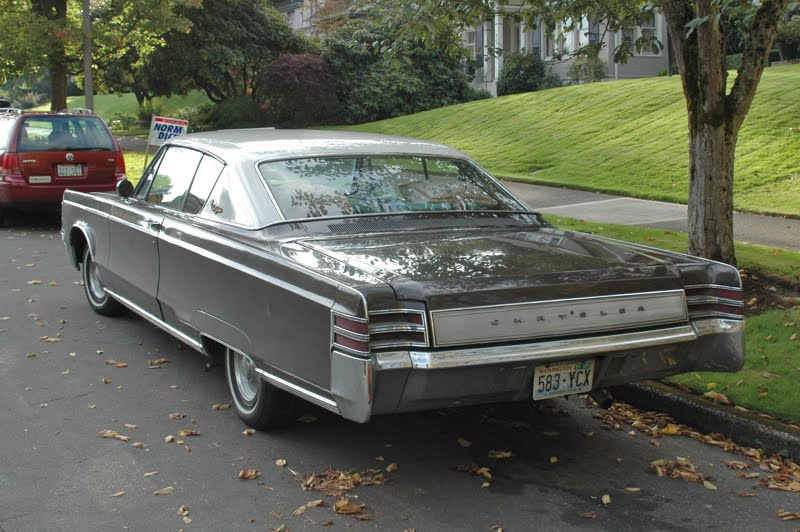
(63, 133)
(5, 133)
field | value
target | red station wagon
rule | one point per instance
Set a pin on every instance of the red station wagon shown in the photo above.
(43, 154)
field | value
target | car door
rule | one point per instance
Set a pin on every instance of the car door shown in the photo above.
(137, 222)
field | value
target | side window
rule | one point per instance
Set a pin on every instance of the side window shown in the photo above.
(173, 177)
(204, 179)
(143, 187)
(238, 200)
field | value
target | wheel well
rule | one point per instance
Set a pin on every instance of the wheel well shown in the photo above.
(214, 349)
(78, 243)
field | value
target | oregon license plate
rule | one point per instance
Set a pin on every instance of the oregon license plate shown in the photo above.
(69, 170)
(562, 378)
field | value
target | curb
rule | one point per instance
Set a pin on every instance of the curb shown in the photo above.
(744, 428)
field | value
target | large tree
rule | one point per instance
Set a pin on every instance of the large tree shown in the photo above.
(716, 108)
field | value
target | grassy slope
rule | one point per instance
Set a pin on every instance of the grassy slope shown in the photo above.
(625, 137)
(105, 105)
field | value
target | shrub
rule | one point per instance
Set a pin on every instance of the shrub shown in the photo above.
(525, 72)
(122, 122)
(28, 99)
(372, 87)
(787, 38)
(300, 90)
(235, 113)
(733, 61)
(586, 69)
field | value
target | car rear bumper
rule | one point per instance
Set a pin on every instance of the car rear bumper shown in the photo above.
(402, 381)
(20, 194)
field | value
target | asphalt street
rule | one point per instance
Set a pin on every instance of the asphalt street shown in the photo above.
(67, 374)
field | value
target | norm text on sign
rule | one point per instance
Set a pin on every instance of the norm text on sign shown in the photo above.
(163, 128)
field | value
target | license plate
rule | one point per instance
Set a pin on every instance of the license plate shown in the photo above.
(69, 170)
(562, 378)
(36, 179)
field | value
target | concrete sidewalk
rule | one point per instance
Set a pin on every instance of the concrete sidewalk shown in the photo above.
(770, 231)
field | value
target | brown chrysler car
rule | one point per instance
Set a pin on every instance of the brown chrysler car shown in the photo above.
(372, 274)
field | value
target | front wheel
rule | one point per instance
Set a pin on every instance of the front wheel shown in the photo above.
(99, 299)
(258, 403)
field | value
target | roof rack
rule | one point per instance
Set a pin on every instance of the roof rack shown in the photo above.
(76, 111)
(10, 110)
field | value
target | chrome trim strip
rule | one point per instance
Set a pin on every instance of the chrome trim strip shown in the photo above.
(399, 311)
(551, 350)
(350, 317)
(712, 287)
(158, 322)
(85, 208)
(384, 328)
(694, 315)
(308, 395)
(556, 317)
(713, 300)
(350, 334)
(395, 343)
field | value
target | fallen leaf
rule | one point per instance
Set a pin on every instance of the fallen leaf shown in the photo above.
(92, 406)
(188, 432)
(164, 491)
(169, 439)
(363, 517)
(671, 429)
(379, 458)
(788, 516)
(554, 459)
(249, 432)
(118, 494)
(105, 380)
(588, 515)
(112, 434)
(500, 455)
(486, 484)
(177, 415)
(709, 485)
(151, 474)
(606, 500)
(65, 372)
(345, 507)
(223, 406)
(484, 472)
(138, 445)
(717, 398)
(300, 511)
(35, 281)
(391, 468)
(249, 474)
(30, 354)
(121, 365)
(793, 337)
(49, 339)
(633, 490)
(187, 520)
(280, 462)
(464, 443)
(745, 494)
(315, 503)
(130, 426)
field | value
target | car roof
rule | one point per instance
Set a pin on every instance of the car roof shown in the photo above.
(260, 144)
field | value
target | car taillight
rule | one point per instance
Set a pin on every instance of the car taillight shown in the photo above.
(397, 328)
(714, 300)
(384, 329)
(350, 333)
(119, 167)
(10, 169)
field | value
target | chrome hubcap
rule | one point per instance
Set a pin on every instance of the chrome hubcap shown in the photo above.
(246, 377)
(95, 283)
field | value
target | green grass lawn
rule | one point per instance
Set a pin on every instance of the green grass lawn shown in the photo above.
(105, 105)
(624, 137)
(768, 382)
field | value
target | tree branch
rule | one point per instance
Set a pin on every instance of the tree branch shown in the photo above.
(754, 59)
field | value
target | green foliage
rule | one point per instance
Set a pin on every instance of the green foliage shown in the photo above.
(233, 113)
(586, 69)
(548, 137)
(525, 72)
(122, 122)
(372, 86)
(229, 43)
(300, 90)
(733, 61)
(788, 38)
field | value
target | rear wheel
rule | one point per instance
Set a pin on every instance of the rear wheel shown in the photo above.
(99, 299)
(258, 403)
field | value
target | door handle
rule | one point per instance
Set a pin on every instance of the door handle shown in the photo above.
(155, 226)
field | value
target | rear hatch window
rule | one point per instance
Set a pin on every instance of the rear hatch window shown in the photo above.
(67, 149)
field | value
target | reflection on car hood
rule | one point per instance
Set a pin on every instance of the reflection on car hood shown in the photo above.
(525, 264)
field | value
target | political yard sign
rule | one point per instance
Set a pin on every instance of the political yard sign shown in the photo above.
(163, 129)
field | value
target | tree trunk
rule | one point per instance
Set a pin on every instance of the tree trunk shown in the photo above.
(58, 79)
(55, 11)
(711, 159)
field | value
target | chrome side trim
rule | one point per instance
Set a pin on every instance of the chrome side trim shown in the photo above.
(352, 386)
(301, 392)
(393, 360)
(380, 328)
(558, 317)
(719, 323)
(551, 350)
(159, 322)
(384, 344)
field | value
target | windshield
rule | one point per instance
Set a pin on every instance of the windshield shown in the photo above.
(337, 186)
(63, 133)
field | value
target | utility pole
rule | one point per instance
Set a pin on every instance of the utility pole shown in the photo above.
(88, 83)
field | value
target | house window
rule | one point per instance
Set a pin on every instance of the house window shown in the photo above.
(470, 43)
(649, 31)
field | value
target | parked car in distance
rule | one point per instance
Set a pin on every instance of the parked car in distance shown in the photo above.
(5, 104)
(373, 274)
(43, 154)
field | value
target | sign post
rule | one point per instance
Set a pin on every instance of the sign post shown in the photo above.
(162, 129)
